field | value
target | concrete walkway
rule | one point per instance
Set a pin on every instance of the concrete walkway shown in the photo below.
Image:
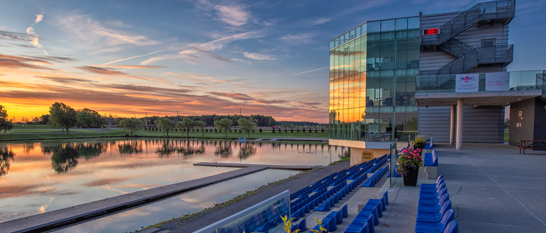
(242, 165)
(494, 188)
(70, 215)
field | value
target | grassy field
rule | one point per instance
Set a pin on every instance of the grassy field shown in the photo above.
(46, 134)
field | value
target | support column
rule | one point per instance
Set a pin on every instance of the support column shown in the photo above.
(452, 126)
(460, 108)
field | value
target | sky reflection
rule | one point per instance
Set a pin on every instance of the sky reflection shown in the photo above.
(45, 176)
(179, 205)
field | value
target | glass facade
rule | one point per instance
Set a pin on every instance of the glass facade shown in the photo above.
(372, 81)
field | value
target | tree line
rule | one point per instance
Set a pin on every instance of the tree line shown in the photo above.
(66, 117)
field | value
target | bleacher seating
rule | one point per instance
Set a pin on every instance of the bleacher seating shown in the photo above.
(323, 195)
(369, 216)
(434, 213)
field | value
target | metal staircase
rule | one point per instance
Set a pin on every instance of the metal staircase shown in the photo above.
(469, 57)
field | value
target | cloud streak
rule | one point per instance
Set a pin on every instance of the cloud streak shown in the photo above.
(259, 56)
(309, 71)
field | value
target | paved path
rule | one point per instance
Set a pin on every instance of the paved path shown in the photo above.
(492, 189)
(293, 185)
(85, 211)
(495, 189)
(242, 165)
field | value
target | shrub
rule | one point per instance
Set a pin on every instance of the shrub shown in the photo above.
(273, 130)
(260, 130)
(291, 130)
(323, 129)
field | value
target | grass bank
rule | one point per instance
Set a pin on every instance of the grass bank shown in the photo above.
(53, 134)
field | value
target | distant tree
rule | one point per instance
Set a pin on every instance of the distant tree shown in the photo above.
(272, 122)
(224, 124)
(200, 125)
(88, 118)
(63, 116)
(246, 125)
(5, 124)
(165, 124)
(131, 124)
(187, 124)
(44, 119)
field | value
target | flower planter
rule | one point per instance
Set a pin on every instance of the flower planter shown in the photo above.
(411, 178)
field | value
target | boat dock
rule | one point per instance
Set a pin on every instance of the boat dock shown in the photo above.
(243, 165)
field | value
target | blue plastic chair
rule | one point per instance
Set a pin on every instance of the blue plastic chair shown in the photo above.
(435, 227)
(434, 189)
(433, 208)
(434, 201)
(452, 227)
(434, 217)
(434, 195)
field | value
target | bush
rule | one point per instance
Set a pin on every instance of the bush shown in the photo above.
(297, 130)
(323, 129)
(260, 130)
(291, 130)
(316, 130)
(273, 130)
(215, 130)
(285, 130)
(252, 131)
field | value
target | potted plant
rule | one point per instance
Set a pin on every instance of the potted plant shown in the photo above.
(409, 161)
(419, 142)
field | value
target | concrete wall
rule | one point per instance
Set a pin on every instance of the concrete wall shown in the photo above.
(482, 124)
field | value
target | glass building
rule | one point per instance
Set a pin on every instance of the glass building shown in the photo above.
(373, 68)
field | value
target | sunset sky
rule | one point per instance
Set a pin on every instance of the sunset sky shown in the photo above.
(198, 57)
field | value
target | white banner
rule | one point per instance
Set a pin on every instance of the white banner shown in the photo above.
(467, 82)
(499, 81)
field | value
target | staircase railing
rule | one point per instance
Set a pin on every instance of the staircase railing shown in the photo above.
(469, 18)
(456, 47)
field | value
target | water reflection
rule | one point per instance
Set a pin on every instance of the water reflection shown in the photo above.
(5, 156)
(246, 151)
(131, 147)
(223, 149)
(50, 175)
(65, 156)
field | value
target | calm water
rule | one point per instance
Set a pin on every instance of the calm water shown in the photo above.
(45, 176)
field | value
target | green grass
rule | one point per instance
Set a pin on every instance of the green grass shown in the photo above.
(341, 160)
(506, 136)
(43, 134)
(27, 126)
